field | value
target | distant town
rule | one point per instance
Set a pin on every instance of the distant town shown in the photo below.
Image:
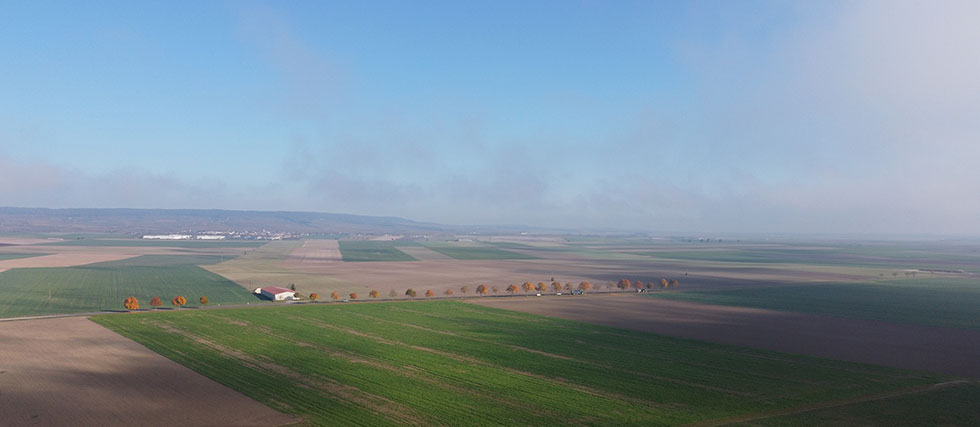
(226, 235)
(275, 235)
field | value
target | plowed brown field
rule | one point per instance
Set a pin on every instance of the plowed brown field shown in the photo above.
(927, 348)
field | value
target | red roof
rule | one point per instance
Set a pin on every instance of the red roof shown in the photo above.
(275, 290)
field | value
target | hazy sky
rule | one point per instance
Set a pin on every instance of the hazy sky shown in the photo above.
(819, 116)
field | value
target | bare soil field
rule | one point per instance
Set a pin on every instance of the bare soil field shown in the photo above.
(444, 274)
(314, 251)
(927, 348)
(423, 253)
(25, 240)
(70, 256)
(71, 371)
(277, 264)
(64, 259)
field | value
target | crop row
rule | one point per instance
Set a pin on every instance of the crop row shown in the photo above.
(457, 364)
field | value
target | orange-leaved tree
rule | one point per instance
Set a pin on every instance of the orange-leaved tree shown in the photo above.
(155, 302)
(204, 300)
(464, 289)
(541, 287)
(482, 289)
(334, 295)
(178, 301)
(449, 292)
(638, 285)
(664, 283)
(584, 286)
(623, 284)
(353, 295)
(429, 293)
(513, 289)
(132, 303)
(556, 286)
(527, 286)
(373, 294)
(314, 296)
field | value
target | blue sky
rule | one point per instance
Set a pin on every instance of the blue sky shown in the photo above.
(657, 116)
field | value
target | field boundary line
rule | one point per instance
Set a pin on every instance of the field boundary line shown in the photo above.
(832, 404)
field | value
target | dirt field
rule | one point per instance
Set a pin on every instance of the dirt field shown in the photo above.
(445, 274)
(314, 251)
(63, 260)
(70, 256)
(70, 371)
(423, 253)
(935, 349)
(25, 240)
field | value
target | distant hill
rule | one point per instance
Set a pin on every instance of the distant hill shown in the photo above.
(40, 220)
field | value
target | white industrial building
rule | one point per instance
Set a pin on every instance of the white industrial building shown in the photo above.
(167, 236)
(276, 293)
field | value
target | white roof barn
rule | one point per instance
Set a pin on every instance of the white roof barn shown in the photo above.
(276, 293)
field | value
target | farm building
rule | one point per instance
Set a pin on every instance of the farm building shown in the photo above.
(276, 293)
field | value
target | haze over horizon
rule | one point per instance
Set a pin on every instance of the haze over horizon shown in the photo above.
(837, 117)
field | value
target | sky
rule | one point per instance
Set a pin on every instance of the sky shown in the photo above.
(658, 116)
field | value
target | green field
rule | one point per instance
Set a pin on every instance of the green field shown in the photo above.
(104, 286)
(452, 363)
(933, 301)
(953, 405)
(474, 251)
(161, 243)
(581, 251)
(18, 256)
(373, 250)
(163, 261)
(876, 256)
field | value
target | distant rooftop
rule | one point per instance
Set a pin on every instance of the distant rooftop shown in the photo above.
(276, 290)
